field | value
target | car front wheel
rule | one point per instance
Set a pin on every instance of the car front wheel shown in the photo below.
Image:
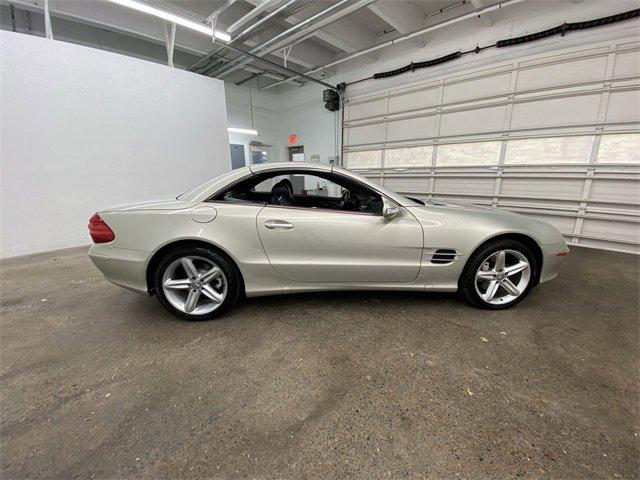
(499, 275)
(196, 283)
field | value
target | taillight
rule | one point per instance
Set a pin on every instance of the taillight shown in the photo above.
(100, 231)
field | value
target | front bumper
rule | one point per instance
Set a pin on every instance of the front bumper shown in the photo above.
(551, 261)
(126, 268)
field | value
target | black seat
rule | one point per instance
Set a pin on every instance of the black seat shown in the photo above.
(282, 193)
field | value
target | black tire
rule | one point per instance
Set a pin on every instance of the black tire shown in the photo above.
(467, 285)
(230, 271)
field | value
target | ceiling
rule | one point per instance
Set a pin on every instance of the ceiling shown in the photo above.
(339, 28)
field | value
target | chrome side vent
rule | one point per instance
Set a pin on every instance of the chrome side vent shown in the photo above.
(443, 256)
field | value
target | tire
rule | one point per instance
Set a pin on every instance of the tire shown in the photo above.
(175, 286)
(485, 285)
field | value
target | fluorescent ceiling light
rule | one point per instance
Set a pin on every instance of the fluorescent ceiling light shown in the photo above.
(248, 131)
(173, 18)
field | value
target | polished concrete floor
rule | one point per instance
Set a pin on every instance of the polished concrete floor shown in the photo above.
(98, 382)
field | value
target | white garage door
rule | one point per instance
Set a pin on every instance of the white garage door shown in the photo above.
(554, 137)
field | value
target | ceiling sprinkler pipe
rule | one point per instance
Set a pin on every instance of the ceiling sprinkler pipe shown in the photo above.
(227, 66)
(403, 38)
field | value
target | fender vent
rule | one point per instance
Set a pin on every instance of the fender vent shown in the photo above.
(443, 255)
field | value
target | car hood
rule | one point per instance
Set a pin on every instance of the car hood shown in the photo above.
(157, 205)
(465, 215)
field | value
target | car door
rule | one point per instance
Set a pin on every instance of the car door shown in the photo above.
(318, 245)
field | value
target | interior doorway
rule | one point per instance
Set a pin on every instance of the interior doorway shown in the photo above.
(261, 154)
(296, 154)
(237, 155)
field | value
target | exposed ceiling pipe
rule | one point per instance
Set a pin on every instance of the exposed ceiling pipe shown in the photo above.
(242, 34)
(281, 67)
(248, 79)
(304, 34)
(227, 67)
(219, 10)
(26, 6)
(402, 38)
(251, 15)
(252, 27)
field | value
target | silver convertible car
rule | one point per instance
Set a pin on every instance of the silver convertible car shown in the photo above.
(303, 227)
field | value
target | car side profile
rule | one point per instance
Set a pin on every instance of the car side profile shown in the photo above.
(305, 227)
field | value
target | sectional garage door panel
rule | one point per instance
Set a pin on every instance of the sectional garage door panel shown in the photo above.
(478, 120)
(627, 65)
(556, 112)
(623, 107)
(367, 109)
(555, 137)
(413, 100)
(563, 73)
(489, 86)
(367, 134)
(411, 129)
(611, 190)
(409, 185)
(470, 187)
(562, 188)
(600, 228)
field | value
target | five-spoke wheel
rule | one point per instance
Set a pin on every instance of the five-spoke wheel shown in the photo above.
(499, 274)
(196, 283)
(503, 276)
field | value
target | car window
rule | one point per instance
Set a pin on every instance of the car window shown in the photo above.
(305, 190)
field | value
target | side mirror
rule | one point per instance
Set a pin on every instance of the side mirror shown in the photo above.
(390, 211)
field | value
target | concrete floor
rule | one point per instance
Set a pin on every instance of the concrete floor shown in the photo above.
(98, 382)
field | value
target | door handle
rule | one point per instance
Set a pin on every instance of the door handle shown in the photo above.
(278, 225)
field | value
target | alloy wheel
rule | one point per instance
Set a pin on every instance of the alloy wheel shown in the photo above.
(194, 285)
(502, 277)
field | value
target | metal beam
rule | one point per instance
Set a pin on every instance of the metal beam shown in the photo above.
(307, 54)
(109, 17)
(227, 68)
(248, 79)
(347, 35)
(47, 21)
(403, 16)
(275, 65)
(403, 38)
(214, 53)
(266, 4)
(299, 34)
(170, 32)
(486, 19)
(213, 17)
(13, 17)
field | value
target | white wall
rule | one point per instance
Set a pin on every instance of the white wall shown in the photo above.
(84, 129)
(276, 116)
(266, 118)
(303, 113)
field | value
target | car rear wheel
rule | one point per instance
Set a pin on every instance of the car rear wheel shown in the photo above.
(196, 283)
(499, 275)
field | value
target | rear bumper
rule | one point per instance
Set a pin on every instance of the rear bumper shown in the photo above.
(551, 262)
(126, 268)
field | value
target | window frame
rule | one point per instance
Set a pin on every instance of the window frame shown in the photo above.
(327, 175)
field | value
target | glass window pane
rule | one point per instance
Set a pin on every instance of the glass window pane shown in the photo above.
(623, 148)
(549, 150)
(476, 153)
(408, 157)
(266, 185)
(366, 159)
